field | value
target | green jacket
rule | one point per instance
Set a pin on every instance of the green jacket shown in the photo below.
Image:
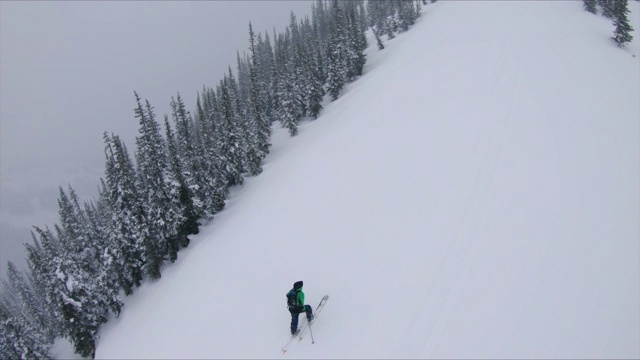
(300, 297)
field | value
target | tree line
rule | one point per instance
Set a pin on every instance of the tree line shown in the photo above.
(180, 173)
(616, 10)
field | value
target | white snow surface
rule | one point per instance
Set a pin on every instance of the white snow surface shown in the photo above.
(475, 194)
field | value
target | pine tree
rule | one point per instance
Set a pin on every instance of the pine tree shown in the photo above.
(419, 4)
(264, 73)
(22, 327)
(16, 339)
(378, 12)
(590, 5)
(607, 8)
(97, 229)
(406, 14)
(213, 178)
(378, 40)
(9, 335)
(127, 229)
(182, 196)
(243, 82)
(77, 236)
(89, 262)
(289, 73)
(215, 150)
(73, 293)
(337, 67)
(40, 263)
(622, 33)
(187, 153)
(153, 182)
(356, 45)
(31, 304)
(85, 301)
(313, 88)
(260, 124)
(230, 140)
(238, 123)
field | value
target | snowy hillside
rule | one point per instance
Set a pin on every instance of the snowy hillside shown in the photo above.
(474, 194)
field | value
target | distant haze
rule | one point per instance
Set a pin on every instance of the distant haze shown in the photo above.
(67, 74)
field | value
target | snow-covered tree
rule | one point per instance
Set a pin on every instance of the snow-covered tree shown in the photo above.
(259, 123)
(356, 44)
(238, 121)
(40, 261)
(17, 341)
(229, 136)
(187, 154)
(24, 327)
(155, 181)
(590, 5)
(106, 280)
(622, 33)
(182, 196)
(289, 92)
(211, 161)
(128, 231)
(337, 67)
(607, 7)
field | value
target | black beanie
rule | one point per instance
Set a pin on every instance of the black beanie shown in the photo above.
(297, 284)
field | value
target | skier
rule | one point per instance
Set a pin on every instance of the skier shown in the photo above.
(295, 303)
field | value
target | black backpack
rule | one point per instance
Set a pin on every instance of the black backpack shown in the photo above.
(292, 300)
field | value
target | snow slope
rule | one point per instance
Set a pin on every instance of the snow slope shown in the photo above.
(474, 194)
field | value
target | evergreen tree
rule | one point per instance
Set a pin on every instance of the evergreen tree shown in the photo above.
(264, 73)
(40, 263)
(213, 178)
(243, 82)
(289, 91)
(182, 196)
(309, 69)
(74, 295)
(21, 332)
(607, 8)
(187, 153)
(97, 229)
(260, 124)
(622, 33)
(356, 45)
(127, 229)
(31, 304)
(337, 54)
(378, 40)
(153, 182)
(76, 233)
(419, 4)
(238, 122)
(313, 88)
(590, 5)
(406, 14)
(16, 341)
(378, 12)
(85, 301)
(230, 139)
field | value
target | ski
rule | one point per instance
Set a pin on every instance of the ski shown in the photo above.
(319, 308)
(304, 327)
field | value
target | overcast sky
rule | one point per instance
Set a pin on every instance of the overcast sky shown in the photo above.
(67, 74)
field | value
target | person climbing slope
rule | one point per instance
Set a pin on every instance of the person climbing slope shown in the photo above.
(296, 306)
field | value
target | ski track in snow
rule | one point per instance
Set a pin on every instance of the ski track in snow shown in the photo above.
(473, 195)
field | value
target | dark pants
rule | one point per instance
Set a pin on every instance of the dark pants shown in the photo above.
(294, 316)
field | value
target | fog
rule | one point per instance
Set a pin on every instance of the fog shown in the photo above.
(67, 74)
